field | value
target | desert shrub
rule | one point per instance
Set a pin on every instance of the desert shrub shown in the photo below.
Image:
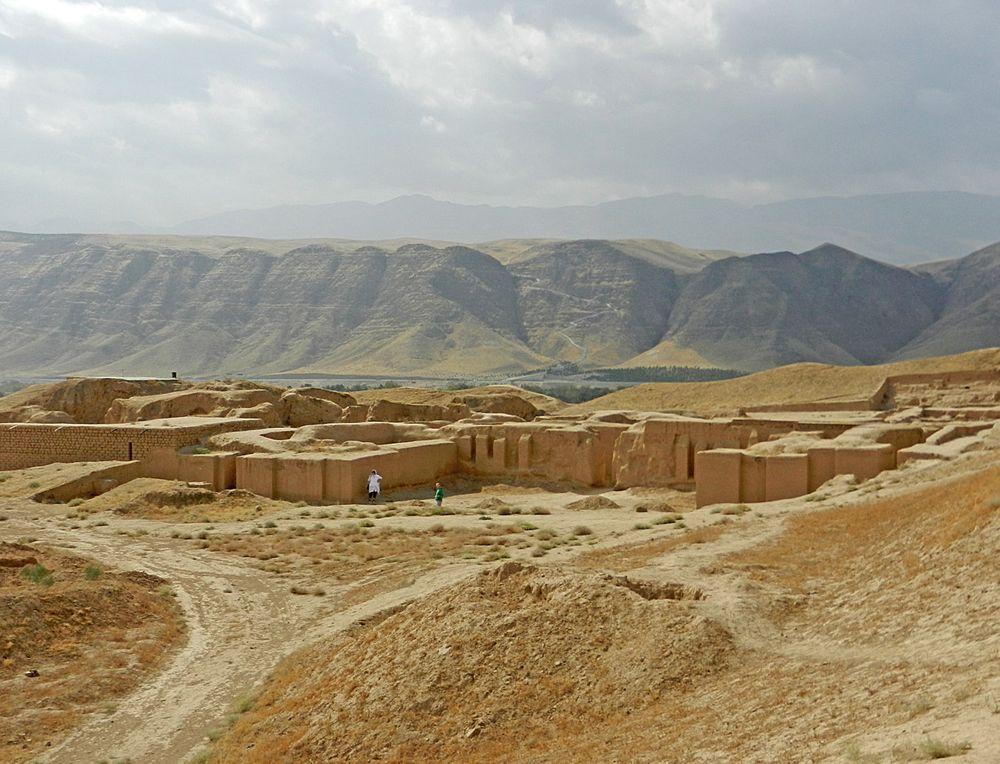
(582, 530)
(933, 748)
(527, 526)
(37, 574)
(4, 477)
(920, 706)
(539, 551)
(642, 508)
(75, 502)
(92, 572)
(436, 528)
(641, 527)
(34, 484)
(270, 524)
(99, 524)
(539, 511)
(166, 590)
(664, 519)
(739, 509)
(298, 590)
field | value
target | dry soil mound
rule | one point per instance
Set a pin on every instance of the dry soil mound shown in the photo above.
(175, 500)
(90, 634)
(593, 502)
(797, 383)
(501, 662)
(84, 400)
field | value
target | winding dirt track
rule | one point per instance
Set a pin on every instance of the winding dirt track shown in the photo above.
(240, 624)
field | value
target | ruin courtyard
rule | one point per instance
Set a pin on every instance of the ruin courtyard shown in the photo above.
(192, 571)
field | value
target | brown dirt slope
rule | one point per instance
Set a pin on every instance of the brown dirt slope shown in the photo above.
(797, 383)
(513, 659)
(920, 547)
(91, 640)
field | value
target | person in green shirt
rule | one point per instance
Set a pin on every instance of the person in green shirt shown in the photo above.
(438, 494)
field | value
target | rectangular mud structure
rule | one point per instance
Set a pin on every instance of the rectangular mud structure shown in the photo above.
(757, 456)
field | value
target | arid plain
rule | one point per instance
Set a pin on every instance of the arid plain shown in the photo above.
(797, 565)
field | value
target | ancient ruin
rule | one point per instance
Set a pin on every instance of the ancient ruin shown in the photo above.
(171, 550)
(318, 446)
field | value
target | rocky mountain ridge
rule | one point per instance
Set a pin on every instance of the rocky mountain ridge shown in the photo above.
(86, 304)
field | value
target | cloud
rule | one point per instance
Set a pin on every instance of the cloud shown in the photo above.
(159, 110)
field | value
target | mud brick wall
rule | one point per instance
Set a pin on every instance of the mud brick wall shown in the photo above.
(31, 445)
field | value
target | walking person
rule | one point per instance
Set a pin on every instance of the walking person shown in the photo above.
(438, 494)
(374, 486)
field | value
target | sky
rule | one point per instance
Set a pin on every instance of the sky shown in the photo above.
(162, 110)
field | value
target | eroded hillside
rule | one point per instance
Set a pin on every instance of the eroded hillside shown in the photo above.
(204, 306)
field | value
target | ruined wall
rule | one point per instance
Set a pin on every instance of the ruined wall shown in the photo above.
(662, 451)
(737, 475)
(320, 477)
(155, 444)
(580, 453)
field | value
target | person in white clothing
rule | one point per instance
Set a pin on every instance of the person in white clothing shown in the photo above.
(374, 486)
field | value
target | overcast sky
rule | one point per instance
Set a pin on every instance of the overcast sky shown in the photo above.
(157, 111)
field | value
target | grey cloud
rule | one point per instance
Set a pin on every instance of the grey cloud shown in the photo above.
(159, 111)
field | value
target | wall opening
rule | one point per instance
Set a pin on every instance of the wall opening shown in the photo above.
(130, 450)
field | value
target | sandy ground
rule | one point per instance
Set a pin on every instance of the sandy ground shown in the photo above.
(243, 617)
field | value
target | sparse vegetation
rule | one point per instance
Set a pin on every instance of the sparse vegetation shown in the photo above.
(38, 574)
(934, 748)
(91, 572)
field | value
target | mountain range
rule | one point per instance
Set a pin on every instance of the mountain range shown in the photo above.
(150, 305)
(901, 228)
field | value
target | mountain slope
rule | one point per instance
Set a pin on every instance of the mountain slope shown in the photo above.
(970, 317)
(588, 302)
(827, 304)
(148, 305)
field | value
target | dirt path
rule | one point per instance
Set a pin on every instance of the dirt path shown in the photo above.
(240, 624)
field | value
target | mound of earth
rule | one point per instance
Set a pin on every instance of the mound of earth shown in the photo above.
(91, 635)
(84, 400)
(797, 383)
(501, 663)
(593, 502)
(491, 503)
(175, 500)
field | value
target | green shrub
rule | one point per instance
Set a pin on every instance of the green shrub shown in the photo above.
(582, 530)
(75, 502)
(92, 572)
(37, 574)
